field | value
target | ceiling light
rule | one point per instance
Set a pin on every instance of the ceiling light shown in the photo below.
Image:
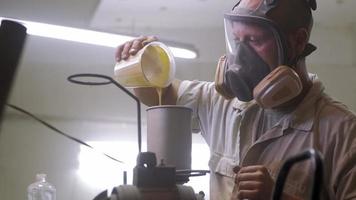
(88, 36)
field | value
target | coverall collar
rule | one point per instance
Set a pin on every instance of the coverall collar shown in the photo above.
(303, 117)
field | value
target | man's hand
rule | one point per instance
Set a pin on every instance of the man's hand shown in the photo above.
(253, 183)
(132, 47)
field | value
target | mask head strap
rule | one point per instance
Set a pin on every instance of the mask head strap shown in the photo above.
(272, 3)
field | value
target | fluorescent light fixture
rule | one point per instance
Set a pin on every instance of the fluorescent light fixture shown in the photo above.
(88, 36)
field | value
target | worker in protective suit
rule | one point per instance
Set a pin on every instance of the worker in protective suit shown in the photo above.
(264, 106)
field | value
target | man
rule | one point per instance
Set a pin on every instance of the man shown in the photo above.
(259, 113)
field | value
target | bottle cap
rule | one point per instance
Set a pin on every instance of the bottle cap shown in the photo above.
(41, 177)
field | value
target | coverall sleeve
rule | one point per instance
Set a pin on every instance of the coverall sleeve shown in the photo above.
(197, 96)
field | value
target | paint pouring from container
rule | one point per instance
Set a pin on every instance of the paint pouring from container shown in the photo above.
(152, 66)
(169, 135)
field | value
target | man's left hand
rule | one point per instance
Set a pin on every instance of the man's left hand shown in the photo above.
(253, 183)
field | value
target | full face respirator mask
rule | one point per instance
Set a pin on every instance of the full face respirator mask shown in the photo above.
(256, 64)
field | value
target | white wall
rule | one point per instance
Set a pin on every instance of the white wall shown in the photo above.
(335, 62)
(28, 147)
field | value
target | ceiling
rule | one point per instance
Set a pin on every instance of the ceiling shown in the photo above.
(41, 85)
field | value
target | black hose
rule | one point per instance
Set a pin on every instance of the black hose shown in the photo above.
(318, 173)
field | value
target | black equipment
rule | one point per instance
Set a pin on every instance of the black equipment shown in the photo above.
(12, 39)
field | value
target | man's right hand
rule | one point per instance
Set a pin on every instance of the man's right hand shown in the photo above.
(147, 96)
(132, 47)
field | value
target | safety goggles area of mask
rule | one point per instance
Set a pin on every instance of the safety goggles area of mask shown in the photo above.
(259, 33)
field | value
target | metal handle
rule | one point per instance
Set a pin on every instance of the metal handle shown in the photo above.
(109, 80)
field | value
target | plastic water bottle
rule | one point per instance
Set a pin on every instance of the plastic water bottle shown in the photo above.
(41, 189)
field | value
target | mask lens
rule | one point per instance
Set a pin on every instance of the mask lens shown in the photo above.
(257, 34)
